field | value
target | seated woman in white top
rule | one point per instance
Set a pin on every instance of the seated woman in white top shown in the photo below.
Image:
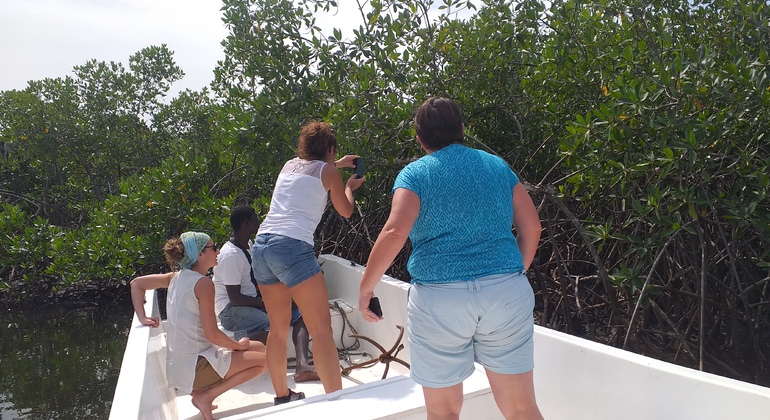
(201, 360)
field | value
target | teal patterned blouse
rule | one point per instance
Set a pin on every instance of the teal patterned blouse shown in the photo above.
(464, 228)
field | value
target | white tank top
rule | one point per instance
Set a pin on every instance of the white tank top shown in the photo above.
(298, 202)
(185, 336)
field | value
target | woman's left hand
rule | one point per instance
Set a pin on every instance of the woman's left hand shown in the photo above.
(363, 307)
(346, 161)
(151, 321)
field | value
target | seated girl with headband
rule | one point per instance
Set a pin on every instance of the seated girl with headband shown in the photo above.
(201, 360)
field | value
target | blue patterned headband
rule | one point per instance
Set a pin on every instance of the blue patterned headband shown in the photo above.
(193, 242)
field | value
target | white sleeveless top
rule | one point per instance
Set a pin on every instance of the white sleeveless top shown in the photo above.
(185, 336)
(298, 202)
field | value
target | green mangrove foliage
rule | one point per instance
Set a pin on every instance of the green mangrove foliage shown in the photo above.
(98, 172)
(663, 163)
(639, 127)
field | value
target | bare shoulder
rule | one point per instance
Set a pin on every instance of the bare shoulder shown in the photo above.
(330, 176)
(204, 287)
(205, 282)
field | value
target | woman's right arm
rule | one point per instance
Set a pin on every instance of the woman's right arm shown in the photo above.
(403, 213)
(139, 286)
(341, 195)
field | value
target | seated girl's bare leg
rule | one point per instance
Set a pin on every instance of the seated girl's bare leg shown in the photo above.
(244, 366)
(194, 393)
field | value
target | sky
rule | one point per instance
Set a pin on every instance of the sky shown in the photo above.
(46, 38)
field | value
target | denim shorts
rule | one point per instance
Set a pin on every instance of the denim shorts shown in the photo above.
(487, 320)
(278, 258)
(249, 318)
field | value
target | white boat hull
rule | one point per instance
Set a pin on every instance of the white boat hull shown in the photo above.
(575, 378)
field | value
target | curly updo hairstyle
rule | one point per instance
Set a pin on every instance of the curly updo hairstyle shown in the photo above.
(174, 251)
(315, 140)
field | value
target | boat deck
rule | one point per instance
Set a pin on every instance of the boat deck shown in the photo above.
(574, 378)
(258, 393)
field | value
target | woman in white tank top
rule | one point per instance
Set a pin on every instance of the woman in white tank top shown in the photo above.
(201, 360)
(283, 258)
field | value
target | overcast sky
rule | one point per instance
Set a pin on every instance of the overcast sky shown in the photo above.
(47, 38)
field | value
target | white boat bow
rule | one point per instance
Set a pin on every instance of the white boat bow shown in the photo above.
(575, 378)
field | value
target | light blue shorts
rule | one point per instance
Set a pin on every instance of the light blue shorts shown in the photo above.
(487, 320)
(278, 258)
(249, 318)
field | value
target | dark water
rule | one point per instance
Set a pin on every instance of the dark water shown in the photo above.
(61, 363)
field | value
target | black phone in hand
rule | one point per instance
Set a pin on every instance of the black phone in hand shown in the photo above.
(374, 306)
(359, 162)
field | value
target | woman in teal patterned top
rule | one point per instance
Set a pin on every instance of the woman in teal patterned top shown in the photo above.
(470, 300)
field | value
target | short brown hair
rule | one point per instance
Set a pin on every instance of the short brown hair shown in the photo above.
(315, 140)
(439, 123)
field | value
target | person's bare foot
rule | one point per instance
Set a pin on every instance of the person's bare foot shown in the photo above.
(213, 406)
(200, 401)
(306, 374)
